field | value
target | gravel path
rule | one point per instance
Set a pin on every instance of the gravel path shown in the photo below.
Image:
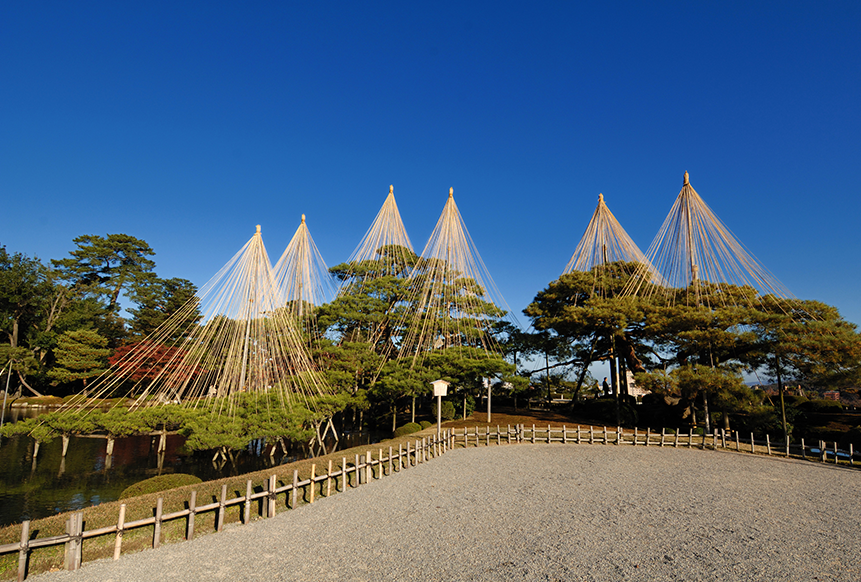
(543, 512)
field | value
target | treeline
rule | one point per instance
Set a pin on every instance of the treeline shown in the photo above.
(689, 347)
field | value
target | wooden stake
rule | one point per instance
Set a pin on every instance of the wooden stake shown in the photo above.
(24, 550)
(121, 522)
(192, 505)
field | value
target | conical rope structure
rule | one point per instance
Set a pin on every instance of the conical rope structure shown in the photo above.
(453, 300)
(302, 277)
(605, 242)
(694, 249)
(235, 337)
(386, 241)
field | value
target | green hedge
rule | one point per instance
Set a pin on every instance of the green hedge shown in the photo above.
(408, 428)
(160, 483)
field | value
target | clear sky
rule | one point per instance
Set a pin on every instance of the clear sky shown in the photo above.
(186, 124)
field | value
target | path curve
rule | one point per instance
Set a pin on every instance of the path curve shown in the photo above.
(543, 512)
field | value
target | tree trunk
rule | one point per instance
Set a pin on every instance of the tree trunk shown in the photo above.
(413, 409)
(626, 351)
(708, 421)
(394, 417)
(27, 386)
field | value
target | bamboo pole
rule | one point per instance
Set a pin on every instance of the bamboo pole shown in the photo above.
(246, 513)
(24, 550)
(192, 505)
(156, 533)
(121, 521)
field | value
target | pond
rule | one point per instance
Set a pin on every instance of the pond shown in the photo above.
(49, 484)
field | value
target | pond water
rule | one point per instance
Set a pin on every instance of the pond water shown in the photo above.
(33, 488)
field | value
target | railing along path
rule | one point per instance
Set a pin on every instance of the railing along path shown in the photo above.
(365, 468)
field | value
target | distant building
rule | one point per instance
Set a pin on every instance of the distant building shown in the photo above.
(831, 395)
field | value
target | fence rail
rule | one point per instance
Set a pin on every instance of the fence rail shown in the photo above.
(364, 468)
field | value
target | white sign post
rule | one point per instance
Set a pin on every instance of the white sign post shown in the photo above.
(440, 389)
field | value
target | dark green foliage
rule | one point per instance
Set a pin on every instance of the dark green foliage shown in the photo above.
(408, 428)
(158, 484)
(426, 424)
(820, 406)
(447, 411)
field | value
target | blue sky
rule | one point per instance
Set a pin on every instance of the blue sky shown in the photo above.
(186, 124)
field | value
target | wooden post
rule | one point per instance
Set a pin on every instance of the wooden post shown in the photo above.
(311, 485)
(390, 460)
(618, 435)
(222, 507)
(329, 475)
(835, 455)
(704, 439)
(786, 443)
(192, 506)
(752, 447)
(74, 527)
(714, 440)
(851, 454)
(822, 453)
(400, 457)
(737, 444)
(424, 450)
(121, 522)
(295, 490)
(676, 439)
(803, 449)
(273, 496)
(246, 513)
(159, 509)
(663, 432)
(498, 436)
(648, 435)
(636, 433)
(408, 451)
(24, 550)
(591, 435)
(768, 443)
(357, 481)
(690, 437)
(344, 473)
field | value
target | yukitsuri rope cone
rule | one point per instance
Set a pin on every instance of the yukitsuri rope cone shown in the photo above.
(235, 337)
(694, 250)
(386, 242)
(453, 300)
(605, 242)
(302, 277)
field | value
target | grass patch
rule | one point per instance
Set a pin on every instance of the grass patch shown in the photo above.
(159, 483)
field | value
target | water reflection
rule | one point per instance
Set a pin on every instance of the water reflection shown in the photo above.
(37, 483)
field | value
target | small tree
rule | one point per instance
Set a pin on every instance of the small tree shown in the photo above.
(80, 355)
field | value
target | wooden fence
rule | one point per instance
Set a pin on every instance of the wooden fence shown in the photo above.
(364, 468)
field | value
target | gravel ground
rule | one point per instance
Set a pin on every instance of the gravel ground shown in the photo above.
(543, 512)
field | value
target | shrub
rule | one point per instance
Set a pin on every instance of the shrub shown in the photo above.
(159, 483)
(448, 410)
(821, 406)
(408, 428)
(426, 424)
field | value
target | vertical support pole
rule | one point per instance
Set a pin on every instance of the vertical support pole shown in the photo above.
(222, 508)
(648, 435)
(835, 455)
(156, 534)
(246, 513)
(851, 454)
(408, 454)
(591, 435)
(752, 446)
(564, 435)
(604, 434)
(737, 444)
(676, 439)
(663, 435)
(390, 460)
(356, 481)
(803, 450)
(329, 474)
(400, 457)
(578, 434)
(192, 508)
(295, 491)
(272, 496)
(344, 473)
(24, 550)
(768, 443)
(121, 522)
(533, 433)
(311, 485)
